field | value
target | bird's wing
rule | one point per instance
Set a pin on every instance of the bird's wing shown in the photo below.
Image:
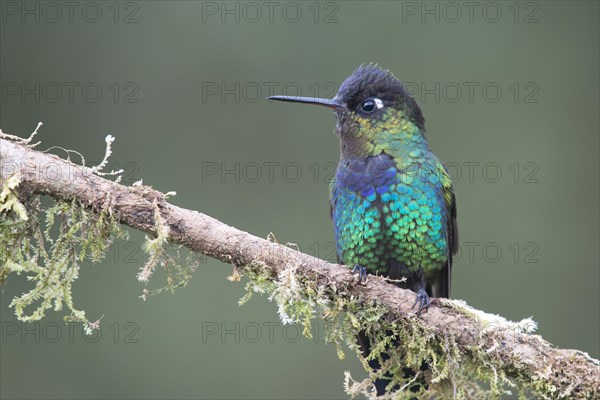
(450, 201)
(452, 226)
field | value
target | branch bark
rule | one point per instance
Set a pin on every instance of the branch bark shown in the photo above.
(570, 372)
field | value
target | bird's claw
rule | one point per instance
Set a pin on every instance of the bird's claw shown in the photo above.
(362, 273)
(422, 300)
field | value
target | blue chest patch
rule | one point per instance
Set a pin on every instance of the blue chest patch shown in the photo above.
(375, 174)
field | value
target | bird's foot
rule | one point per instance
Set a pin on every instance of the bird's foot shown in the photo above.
(362, 273)
(422, 300)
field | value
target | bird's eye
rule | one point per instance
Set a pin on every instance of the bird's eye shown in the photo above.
(370, 105)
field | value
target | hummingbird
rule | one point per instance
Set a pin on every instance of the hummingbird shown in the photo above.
(391, 202)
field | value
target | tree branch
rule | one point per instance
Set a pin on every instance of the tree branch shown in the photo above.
(488, 341)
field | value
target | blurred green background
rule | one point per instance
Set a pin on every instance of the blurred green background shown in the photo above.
(510, 92)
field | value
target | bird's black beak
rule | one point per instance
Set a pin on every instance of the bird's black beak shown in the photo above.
(331, 103)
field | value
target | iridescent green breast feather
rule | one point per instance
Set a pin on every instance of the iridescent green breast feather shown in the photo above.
(385, 214)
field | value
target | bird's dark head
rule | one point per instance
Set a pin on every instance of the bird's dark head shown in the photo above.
(372, 93)
(370, 106)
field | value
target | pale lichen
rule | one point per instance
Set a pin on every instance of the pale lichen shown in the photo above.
(52, 264)
(9, 201)
(178, 268)
(97, 169)
(48, 244)
(154, 247)
(26, 142)
(28, 246)
(162, 253)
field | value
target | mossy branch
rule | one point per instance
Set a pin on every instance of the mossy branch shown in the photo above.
(457, 341)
